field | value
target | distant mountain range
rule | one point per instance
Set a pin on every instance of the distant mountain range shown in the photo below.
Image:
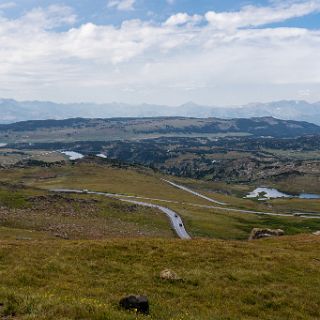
(14, 111)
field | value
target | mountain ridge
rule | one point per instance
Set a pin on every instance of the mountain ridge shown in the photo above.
(84, 129)
(16, 111)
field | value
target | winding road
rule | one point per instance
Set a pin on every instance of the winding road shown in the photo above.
(174, 217)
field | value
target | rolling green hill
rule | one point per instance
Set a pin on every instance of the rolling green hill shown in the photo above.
(59, 279)
(136, 128)
(200, 221)
(74, 256)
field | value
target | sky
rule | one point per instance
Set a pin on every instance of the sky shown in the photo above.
(211, 52)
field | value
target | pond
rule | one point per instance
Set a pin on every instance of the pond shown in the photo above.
(309, 196)
(101, 155)
(73, 155)
(264, 193)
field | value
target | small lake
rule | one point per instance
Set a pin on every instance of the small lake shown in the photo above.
(309, 196)
(73, 155)
(270, 193)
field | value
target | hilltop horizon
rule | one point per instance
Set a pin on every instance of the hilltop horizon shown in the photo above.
(15, 111)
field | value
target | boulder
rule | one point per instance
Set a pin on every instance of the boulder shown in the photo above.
(135, 303)
(317, 233)
(258, 233)
(168, 274)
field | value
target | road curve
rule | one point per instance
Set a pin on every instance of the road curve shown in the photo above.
(175, 219)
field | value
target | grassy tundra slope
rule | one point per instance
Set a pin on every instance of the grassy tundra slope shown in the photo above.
(58, 279)
(74, 256)
(30, 214)
(137, 181)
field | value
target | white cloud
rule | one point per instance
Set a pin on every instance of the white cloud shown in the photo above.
(52, 17)
(257, 16)
(170, 62)
(182, 18)
(122, 5)
(7, 5)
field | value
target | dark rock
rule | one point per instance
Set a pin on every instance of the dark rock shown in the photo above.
(136, 303)
(258, 233)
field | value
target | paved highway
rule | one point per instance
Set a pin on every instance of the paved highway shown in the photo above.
(175, 219)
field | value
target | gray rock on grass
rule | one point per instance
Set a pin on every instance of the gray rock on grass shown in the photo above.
(168, 274)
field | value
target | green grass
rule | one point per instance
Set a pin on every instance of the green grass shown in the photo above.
(77, 216)
(143, 182)
(23, 234)
(269, 279)
(200, 222)
(92, 176)
(115, 249)
(212, 223)
(12, 199)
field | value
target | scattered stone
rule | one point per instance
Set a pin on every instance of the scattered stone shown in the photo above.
(258, 233)
(139, 304)
(168, 274)
(317, 233)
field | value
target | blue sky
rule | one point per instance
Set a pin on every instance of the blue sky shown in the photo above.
(212, 52)
(97, 11)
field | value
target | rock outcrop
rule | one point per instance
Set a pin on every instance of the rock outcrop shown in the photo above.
(258, 233)
(168, 274)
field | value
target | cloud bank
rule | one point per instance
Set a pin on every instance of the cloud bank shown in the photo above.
(215, 58)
